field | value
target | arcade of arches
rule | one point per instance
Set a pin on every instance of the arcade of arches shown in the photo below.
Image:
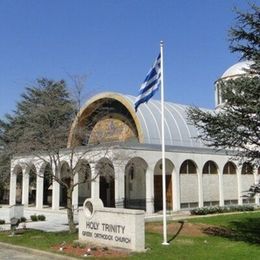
(138, 184)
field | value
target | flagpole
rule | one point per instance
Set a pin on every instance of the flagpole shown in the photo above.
(163, 152)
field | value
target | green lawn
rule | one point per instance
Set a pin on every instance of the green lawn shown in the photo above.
(241, 241)
(38, 239)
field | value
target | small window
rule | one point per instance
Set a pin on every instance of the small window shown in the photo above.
(188, 167)
(194, 204)
(230, 202)
(247, 168)
(249, 201)
(229, 168)
(210, 168)
(210, 203)
(184, 205)
(189, 205)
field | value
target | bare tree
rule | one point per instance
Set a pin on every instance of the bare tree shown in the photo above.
(44, 119)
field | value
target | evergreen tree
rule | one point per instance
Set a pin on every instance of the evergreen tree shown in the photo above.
(42, 119)
(40, 126)
(236, 125)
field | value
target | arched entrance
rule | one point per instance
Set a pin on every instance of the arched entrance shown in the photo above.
(65, 178)
(158, 195)
(230, 192)
(106, 174)
(19, 184)
(32, 185)
(210, 184)
(47, 186)
(189, 184)
(84, 181)
(135, 184)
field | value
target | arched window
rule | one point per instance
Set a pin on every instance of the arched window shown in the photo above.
(210, 168)
(188, 167)
(229, 168)
(247, 168)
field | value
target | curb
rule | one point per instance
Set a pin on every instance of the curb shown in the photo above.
(37, 252)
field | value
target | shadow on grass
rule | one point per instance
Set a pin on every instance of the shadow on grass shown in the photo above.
(178, 232)
(247, 230)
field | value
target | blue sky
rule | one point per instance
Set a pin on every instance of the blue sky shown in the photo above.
(114, 43)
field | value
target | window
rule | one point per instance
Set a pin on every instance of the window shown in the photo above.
(229, 168)
(188, 167)
(189, 205)
(247, 168)
(210, 203)
(210, 168)
(230, 202)
(249, 201)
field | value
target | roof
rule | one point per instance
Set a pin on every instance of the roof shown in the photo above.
(147, 120)
(237, 69)
(178, 131)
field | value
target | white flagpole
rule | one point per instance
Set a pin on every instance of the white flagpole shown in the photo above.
(163, 152)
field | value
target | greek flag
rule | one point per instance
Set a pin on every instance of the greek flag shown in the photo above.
(151, 83)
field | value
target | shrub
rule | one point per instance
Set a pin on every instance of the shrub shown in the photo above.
(41, 217)
(22, 219)
(34, 217)
(2, 221)
(75, 244)
(219, 209)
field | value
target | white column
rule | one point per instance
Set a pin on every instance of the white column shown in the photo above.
(256, 179)
(55, 195)
(239, 192)
(12, 195)
(220, 182)
(200, 187)
(25, 191)
(75, 193)
(95, 182)
(176, 204)
(119, 186)
(39, 189)
(149, 179)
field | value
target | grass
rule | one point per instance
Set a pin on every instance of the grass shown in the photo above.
(227, 219)
(38, 239)
(232, 236)
(240, 240)
(198, 248)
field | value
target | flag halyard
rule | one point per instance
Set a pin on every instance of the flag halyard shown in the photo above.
(151, 83)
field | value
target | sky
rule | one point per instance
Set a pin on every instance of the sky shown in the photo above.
(113, 43)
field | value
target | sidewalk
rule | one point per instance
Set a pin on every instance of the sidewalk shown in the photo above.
(13, 252)
(56, 220)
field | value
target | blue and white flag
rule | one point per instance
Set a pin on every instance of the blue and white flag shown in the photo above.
(151, 83)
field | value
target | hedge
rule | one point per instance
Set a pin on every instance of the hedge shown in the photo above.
(221, 209)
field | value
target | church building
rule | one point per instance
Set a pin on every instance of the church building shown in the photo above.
(196, 175)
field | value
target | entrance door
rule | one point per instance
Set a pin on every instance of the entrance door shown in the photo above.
(63, 193)
(19, 188)
(158, 202)
(107, 191)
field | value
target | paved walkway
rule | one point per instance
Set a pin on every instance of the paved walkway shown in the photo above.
(12, 252)
(55, 220)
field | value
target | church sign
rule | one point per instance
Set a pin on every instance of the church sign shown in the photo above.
(115, 227)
